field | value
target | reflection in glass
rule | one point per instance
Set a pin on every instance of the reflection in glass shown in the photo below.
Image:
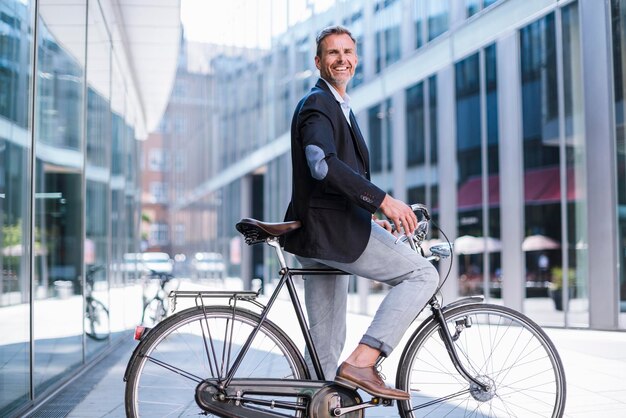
(573, 142)
(15, 191)
(553, 148)
(98, 177)
(58, 307)
(478, 242)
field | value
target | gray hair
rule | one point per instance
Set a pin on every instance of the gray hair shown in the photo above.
(331, 30)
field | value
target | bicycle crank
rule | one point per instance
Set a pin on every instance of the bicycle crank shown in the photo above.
(339, 401)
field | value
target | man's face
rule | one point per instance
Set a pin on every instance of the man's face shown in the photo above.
(338, 60)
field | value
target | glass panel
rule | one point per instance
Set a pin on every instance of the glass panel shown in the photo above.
(97, 200)
(58, 307)
(472, 7)
(387, 15)
(619, 69)
(469, 245)
(418, 19)
(478, 241)
(415, 139)
(438, 17)
(542, 193)
(576, 197)
(421, 116)
(380, 137)
(15, 193)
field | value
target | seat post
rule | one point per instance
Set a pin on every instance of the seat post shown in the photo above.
(273, 242)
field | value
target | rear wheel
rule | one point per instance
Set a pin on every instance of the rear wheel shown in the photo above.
(198, 344)
(499, 347)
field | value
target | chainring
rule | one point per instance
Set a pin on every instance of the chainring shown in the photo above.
(333, 396)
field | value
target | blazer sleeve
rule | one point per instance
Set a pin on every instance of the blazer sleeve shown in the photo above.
(316, 128)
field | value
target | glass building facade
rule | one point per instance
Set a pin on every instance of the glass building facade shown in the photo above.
(497, 114)
(69, 201)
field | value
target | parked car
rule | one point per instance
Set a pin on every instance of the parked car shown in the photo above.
(159, 262)
(132, 265)
(208, 265)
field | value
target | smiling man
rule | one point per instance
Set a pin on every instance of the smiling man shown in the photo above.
(335, 200)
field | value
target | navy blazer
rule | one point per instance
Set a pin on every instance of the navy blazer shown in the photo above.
(335, 212)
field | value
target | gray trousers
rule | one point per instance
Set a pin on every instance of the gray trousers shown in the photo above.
(413, 280)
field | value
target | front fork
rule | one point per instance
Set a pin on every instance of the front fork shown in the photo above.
(449, 340)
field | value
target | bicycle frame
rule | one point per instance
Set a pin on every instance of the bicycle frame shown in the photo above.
(294, 388)
(286, 278)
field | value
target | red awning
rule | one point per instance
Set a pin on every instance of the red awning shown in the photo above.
(540, 186)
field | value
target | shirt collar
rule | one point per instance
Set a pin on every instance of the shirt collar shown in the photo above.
(344, 101)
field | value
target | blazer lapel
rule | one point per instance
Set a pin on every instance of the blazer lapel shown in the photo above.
(359, 141)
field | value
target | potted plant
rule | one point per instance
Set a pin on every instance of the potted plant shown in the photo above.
(556, 286)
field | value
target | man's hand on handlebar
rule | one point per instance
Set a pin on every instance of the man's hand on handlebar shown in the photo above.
(400, 214)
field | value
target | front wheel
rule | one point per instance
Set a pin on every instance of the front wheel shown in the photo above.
(201, 344)
(498, 346)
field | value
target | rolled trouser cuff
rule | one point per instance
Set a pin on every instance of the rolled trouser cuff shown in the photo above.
(385, 349)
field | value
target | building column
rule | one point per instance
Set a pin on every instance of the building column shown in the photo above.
(601, 186)
(511, 171)
(446, 127)
(246, 250)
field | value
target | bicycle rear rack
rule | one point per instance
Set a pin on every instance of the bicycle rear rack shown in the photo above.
(200, 295)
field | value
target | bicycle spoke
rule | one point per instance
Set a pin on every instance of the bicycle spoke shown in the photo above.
(497, 347)
(183, 352)
(174, 369)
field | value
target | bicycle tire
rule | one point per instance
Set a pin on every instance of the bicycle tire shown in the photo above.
(153, 312)
(174, 358)
(96, 319)
(502, 347)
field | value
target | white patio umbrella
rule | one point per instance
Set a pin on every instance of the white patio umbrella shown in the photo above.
(468, 244)
(539, 243)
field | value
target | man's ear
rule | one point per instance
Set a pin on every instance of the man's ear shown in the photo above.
(317, 62)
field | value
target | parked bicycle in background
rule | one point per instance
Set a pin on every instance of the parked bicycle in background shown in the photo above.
(96, 313)
(157, 286)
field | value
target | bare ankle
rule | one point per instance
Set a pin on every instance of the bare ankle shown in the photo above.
(363, 356)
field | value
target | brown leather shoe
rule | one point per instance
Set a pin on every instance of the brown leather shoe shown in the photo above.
(369, 380)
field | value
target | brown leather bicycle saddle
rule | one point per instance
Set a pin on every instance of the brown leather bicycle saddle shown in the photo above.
(255, 231)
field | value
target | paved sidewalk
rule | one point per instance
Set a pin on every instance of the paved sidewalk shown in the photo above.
(595, 365)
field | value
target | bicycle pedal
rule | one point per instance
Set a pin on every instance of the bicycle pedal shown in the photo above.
(382, 401)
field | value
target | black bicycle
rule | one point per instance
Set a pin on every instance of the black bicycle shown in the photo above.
(467, 359)
(156, 288)
(96, 316)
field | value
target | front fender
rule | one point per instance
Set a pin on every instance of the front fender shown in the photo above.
(469, 300)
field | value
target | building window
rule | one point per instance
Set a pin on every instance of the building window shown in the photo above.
(474, 6)
(158, 192)
(387, 28)
(156, 159)
(158, 234)
(380, 137)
